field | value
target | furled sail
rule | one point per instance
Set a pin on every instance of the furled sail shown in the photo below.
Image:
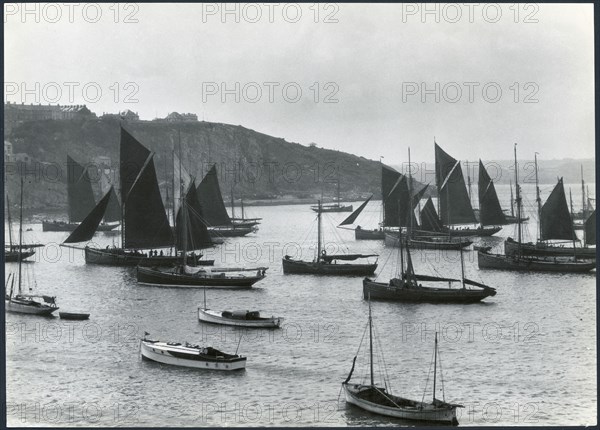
(556, 217)
(490, 211)
(455, 205)
(197, 233)
(79, 191)
(113, 209)
(429, 218)
(590, 229)
(88, 226)
(345, 257)
(211, 200)
(352, 217)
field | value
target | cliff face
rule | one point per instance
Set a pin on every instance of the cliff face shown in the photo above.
(256, 165)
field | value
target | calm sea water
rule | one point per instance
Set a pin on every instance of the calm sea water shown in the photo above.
(526, 356)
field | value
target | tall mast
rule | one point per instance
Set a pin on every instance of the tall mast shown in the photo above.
(232, 205)
(9, 223)
(572, 226)
(435, 365)
(468, 179)
(173, 183)
(583, 205)
(382, 213)
(184, 216)
(537, 198)
(181, 201)
(371, 342)
(518, 199)
(512, 202)
(410, 203)
(319, 232)
(462, 268)
(242, 205)
(20, 235)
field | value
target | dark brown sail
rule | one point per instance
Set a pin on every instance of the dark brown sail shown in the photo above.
(211, 200)
(590, 229)
(146, 222)
(418, 195)
(85, 231)
(556, 222)
(352, 217)
(455, 205)
(389, 178)
(113, 209)
(490, 211)
(79, 191)
(133, 157)
(396, 204)
(197, 233)
(429, 218)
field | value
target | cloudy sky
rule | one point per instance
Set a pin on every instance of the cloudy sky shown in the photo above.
(362, 78)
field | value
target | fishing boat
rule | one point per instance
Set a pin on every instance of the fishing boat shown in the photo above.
(75, 316)
(329, 264)
(554, 223)
(14, 252)
(359, 232)
(242, 221)
(587, 207)
(18, 301)
(80, 200)
(336, 206)
(378, 398)
(512, 219)
(188, 355)
(251, 319)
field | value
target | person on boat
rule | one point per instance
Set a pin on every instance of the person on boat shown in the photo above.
(161, 253)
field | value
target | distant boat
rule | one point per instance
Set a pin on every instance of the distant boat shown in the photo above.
(188, 355)
(327, 264)
(587, 207)
(76, 316)
(334, 207)
(378, 399)
(512, 219)
(359, 232)
(555, 222)
(15, 252)
(80, 199)
(251, 319)
(18, 301)
(242, 221)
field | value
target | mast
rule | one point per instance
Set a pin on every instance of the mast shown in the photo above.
(338, 189)
(518, 199)
(512, 201)
(185, 223)
(572, 224)
(232, 206)
(9, 223)
(319, 231)
(20, 236)
(469, 180)
(537, 198)
(583, 205)
(435, 365)
(371, 342)
(382, 214)
(173, 184)
(462, 268)
(242, 205)
(410, 203)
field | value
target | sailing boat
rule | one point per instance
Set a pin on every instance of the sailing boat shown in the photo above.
(326, 264)
(380, 400)
(215, 214)
(80, 199)
(586, 205)
(512, 219)
(250, 319)
(145, 225)
(554, 223)
(26, 303)
(359, 233)
(14, 252)
(191, 230)
(453, 201)
(243, 221)
(334, 207)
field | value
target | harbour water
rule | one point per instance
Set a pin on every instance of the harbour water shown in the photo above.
(524, 357)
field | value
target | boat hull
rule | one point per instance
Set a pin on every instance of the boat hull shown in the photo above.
(503, 262)
(237, 231)
(384, 291)
(214, 317)
(151, 276)
(312, 268)
(542, 249)
(437, 243)
(23, 308)
(185, 357)
(73, 316)
(116, 257)
(362, 234)
(325, 209)
(69, 227)
(13, 256)
(414, 410)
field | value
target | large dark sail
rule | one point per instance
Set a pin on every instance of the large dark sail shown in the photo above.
(429, 218)
(590, 229)
(88, 226)
(79, 191)
(352, 217)
(389, 178)
(197, 233)
(133, 157)
(490, 211)
(211, 200)
(146, 222)
(455, 205)
(396, 207)
(113, 209)
(418, 195)
(555, 216)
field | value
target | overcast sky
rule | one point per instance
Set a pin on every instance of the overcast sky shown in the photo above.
(373, 63)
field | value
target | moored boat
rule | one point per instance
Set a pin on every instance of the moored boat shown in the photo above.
(427, 242)
(195, 277)
(487, 260)
(76, 316)
(238, 318)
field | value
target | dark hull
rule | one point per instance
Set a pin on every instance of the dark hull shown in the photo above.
(73, 316)
(436, 243)
(153, 276)
(513, 219)
(532, 263)
(362, 234)
(332, 209)
(541, 249)
(311, 268)
(13, 256)
(237, 231)
(69, 227)
(383, 291)
(116, 257)
(467, 232)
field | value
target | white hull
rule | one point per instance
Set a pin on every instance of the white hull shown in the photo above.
(215, 317)
(420, 412)
(20, 308)
(161, 353)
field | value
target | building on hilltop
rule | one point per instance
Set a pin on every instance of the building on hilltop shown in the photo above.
(15, 114)
(126, 115)
(178, 117)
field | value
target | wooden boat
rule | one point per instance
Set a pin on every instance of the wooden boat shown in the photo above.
(546, 249)
(238, 318)
(26, 303)
(188, 355)
(14, 255)
(364, 234)
(333, 207)
(67, 226)
(76, 316)
(242, 222)
(120, 257)
(190, 277)
(15, 252)
(326, 264)
(440, 243)
(235, 230)
(377, 399)
(487, 260)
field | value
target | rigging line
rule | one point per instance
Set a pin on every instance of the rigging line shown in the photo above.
(442, 377)
(428, 376)
(384, 264)
(386, 377)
